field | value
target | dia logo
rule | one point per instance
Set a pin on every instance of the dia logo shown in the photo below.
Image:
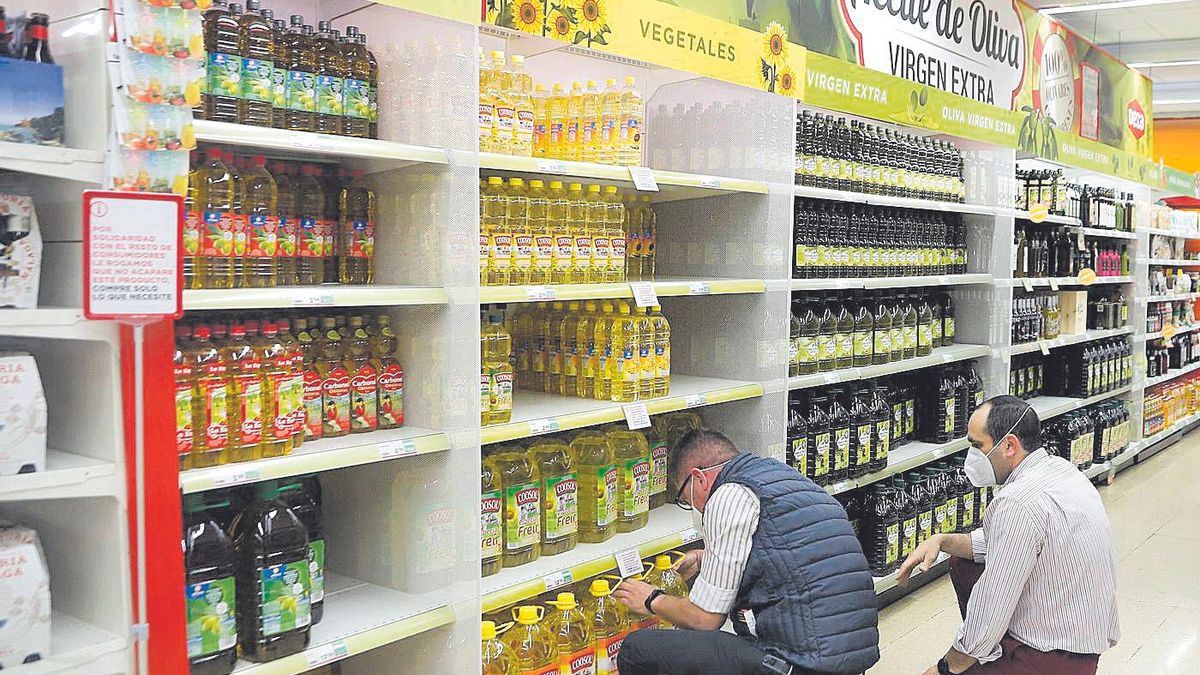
(1135, 117)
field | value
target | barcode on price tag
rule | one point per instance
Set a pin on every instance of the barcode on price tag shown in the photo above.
(390, 449)
(314, 300)
(699, 288)
(714, 183)
(629, 562)
(319, 656)
(558, 579)
(236, 478)
(543, 426)
(644, 294)
(643, 178)
(540, 293)
(695, 401)
(551, 166)
(637, 416)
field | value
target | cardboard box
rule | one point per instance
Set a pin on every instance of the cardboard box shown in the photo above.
(20, 260)
(1073, 309)
(31, 102)
(23, 426)
(24, 597)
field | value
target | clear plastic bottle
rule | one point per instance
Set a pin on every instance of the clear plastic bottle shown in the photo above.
(649, 239)
(246, 387)
(557, 215)
(499, 236)
(215, 193)
(496, 654)
(210, 588)
(610, 114)
(574, 636)
(541, 121)
(523, 107)
(299, 60)
(364, 378)
(614, 232)
(310, 210)
(560, 490)
(256, 44)
(535, 647)
(211, 400)
(662, 574)
(662, 353)
(577, 219)
(589, 123)
(294, 493)
(491, 519)
(598, 478)
(624, 364)
(597, 225)
(569, 347)
(357, 252)
(498, 347)
(516, 218)
(502, 94)
(610, 625)
(585, 346)
(335, 380)
(542, 271)
(556, 113)
(632, 455)
(391, 374)
(223, 68)
(647, 365)
(356, 86)
(487, 105)
(572, 145)
(260, 208)
(604, 352)
(278, 409)
(331, 73)
(287, 231)
(632, 119)
(522, 506)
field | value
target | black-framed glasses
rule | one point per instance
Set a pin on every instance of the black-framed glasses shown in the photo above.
(683, 486)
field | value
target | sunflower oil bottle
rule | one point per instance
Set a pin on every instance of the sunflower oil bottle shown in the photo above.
(500, 262)
(614, 212)
(183, 368)
(632, 228)
(522, 506)
(632, 120)
(589, 123)
(660, 455)
(504, 127)
(523, 111)
(554, 348)
(300, 88)
(557, 112)
(260, 207)
(499, 370)
(662, 574)
(577, 222)
(192, 227)
(597, 224)
(335, 380)
(541, 121)
(564, 231)
(662, 353)
(295, 380)
(391, 374)
(491, 217)
(496, 655)
(312, 397)
(569, 346)
(647, 345)
(487, 105)
(572, 145)
(624, 364)
(589, 358)
(332, 181)
(256, 44)
(246, 386)
(542, 271)
(277, 393)
(539, 349)
(364, 378)
(610, 625)
(604, 351)
(576, 641)
(632, 455)
(210, 401)
(214, 195)
(534, 646)
(310, 210)
(287, 229)
(356, 86)
(491, 518)
(610, 113)
(598, 479)
(485, 380)
(356, 257)
(516, 217)
(560, 490)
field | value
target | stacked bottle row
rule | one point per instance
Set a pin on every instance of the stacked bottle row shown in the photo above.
(268, 73)
(246, 390)
(1091, 435)
(1057, 253)
(496, 369)
(255, 567)
(534, 234)
(34, 45)
(589, 125)
(1089, 369)
(895, 516)
(546, 496)
(1036, 316)
(839, 433)
(1164, 280)
(247, 227)
(833, 331)
(1107, 309)
(862, 157)
(1096, 206)
(1026, 375)
(1169, 403)
(1162, 358)
(839, 240)
(603, 350)
(1180, 314)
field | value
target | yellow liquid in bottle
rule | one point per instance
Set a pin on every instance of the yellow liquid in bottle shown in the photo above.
(624, 365)
(560, 490)
(597, 488)
(499, 369)
(541, 122)
(614, 222)
(516, 220)
(535, 648)
(557, 218)
(568, 341)
(260, 208)
(499, 236)
(506, 113)
(573, 144)
(662, 353)
(632, 455)
(214, 195)
(577, 219)
(589, 123)
(604, 353)
(597, 225)
(522, 506)
(542, 271)
(646, 362)
(554, 349)
(556, 112)
(246, 392)
(573, 634)
(589, 359)
(610, 111)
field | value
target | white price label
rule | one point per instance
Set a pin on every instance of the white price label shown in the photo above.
(390, 449)
(637, 416)
(558, 579)
(540, 293)
(841, 487)
(551, 166)
(1079, 243)
(629, 563)
(695, 401)
(947, 358)
(313, 300)
(1027, 283)
(643, 178)
(319, 656)
(543, 426)
(943, 280)
(236, 478)
(689, 535)
(830, 378)
(714, 183)
(644, 294)
(1045, 347)
(1053, 284)
(699, 288)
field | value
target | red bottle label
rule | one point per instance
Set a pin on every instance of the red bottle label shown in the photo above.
(241, 231)
(262, 235)
(283, 423)
(391, 395)
(217, 238)
(360, 239)
(336, 390)
(288, 238)
(364, 401)
(311, 239)
(191, 222)
(328, 237)
(314, 409)
(184, 435)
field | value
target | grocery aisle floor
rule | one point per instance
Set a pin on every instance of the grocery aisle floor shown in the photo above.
(1155, 512)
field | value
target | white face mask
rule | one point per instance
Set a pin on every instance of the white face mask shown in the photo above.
(977, 466)
(697, 517)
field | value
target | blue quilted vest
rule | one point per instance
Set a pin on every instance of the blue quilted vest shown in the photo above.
(806, 581)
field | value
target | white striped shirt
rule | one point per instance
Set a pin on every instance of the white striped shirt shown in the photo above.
(1050, 576)
(730, 520)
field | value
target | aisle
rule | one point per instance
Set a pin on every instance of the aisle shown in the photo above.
(1155, 512)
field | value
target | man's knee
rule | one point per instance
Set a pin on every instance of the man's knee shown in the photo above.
(637, 650)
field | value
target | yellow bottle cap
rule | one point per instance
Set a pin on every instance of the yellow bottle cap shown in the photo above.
(575, 85)
(610, 82)
(539, 87)
(497, 54)
(535, 183)
(558, 88)
(516, 60)
(528, 614)
(646, 198)
(576, 187)
(594, 188)
(631, 80)
(556, 185)
(662, 562)
(495, 180)
(590, 306)
(610, 189)
(516, 182)
(488, 630)
(565, 601)
(599, 588)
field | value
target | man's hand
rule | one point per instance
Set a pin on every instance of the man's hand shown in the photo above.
(925, 555)
(932, 671)
(689, 565)
(633, 593)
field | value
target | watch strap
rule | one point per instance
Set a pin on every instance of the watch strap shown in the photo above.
(650, 599)
(943, 667)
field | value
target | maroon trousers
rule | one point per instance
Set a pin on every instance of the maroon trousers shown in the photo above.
(1018, 658)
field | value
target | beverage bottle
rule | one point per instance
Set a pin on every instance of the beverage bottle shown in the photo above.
(827, 339)
(490, 201)
(563, 231)
(539, 345)
(632, 120)
(294, 382)
(211, 401)
(312, 413)
(535, 647)
(605, 382)
(372, 85)
(391, 374)
(356, 86)
(922, 498)
(495, 207)
(614, 234)
(256, 45)
(259, 207)
(491, 519)
(843, 337)
(274, 586)
(523, 115)
(542, 270)
(210, 587)
(881, 417)
(862, 434)
(504, 126)
(183, 363)
(572, 143)
(552, 331)
(246, 395)
(292, 493)
(609, 124)
(487, 105)
(556, 113)
(625, 364)
(662, 574)
(222, 86)
(287, 229)
(193, 202)
(906, 513)
(910, 326)
(496, 654)
(808, 342)
(278, 414)
(516, 217)
(574, 636)
(560, 490)
(610, 625)
(589, 123)
(660, 453)
(499, 370)
(357, 253)
(541, 121)
(37, 39)
(896, 306)
(215, 193)
(924, 329)
(649, 239)
(864, 333)
(883, 545)
(569, 350)
(647, 364)
(793, 342)
(335, 379)
(839, 427)
(239, 221)
(331, 72)
(597, 226)
(598, 486)
(298, 59)
(578, 210)
(522, 506)
(333, 182)
(310, 212)
(588, 356)
(662, 353)
(364, 378)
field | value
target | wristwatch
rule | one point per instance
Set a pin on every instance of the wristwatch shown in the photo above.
(943, 667)
(650, 598)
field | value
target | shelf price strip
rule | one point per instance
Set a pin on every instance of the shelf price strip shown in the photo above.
(319, 656)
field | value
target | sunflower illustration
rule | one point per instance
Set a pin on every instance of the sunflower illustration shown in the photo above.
(785, 82)
(593, 17)
(774, 44)
(528, 16)
(560, 24)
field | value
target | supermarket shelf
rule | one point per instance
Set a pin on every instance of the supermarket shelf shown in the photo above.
(1170, 262)
(1064, 340)
(669, 528)
(884, 584)
(322, 455)
(908, 456)
(884, 200)
(539, 413)
(63, 323)
(1053, 406)
(80, 648)
(662, 288)
(1178, 234)
(1096, 470)
(678, 185)
(1172, 297)
(1053, 219)
(1106, 233)
(358, 617)
(939, 356)
(1035, 282)
(67, 475)
(1171, 374)
(1125, 458)
(1180, 330)
(892, 282)
(86, 166)
(312, 297)
(378, 154)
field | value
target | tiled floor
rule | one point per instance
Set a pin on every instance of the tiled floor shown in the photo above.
(1154, 508)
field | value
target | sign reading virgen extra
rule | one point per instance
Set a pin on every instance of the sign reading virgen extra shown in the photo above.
(131, 255)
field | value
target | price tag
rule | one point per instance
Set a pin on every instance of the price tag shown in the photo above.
(943, 280)
(543, 426)
(643, 178)
(319, 656)
(1079, 243)
(644, 294)
(1053, 284)
(1038, 212)
(236, 478)
(699, 288)
(313, 300)
(714, 183)
(1027, 283)
(689, 535)
(390, 449)
(637, 416)
(551, 166)
(841, 487)
(629, 563)
(947, 358)
(695, 401)
(1086, 276)
(558, 579)
(830, 378)
(540, 293)
(1045, 347)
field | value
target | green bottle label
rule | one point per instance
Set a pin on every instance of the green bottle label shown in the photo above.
(841, 442)
(522, 517)
(316, 568)
(893, 543)
(863, 456)
(279, 86)
(491, 533)
(635, 479)
(883, 439)
(224, 74)
(658, 467)
(301, 92)
(286, 594)
(356, 99)
(329, 95)
(821, 445)
(806, 346)
(211, 617)
(606, 495)
(862, 343)
(562, 506)
(258, 80)
(909, 528)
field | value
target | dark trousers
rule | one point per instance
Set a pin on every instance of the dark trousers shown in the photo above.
(1018, 658)
(691, 652)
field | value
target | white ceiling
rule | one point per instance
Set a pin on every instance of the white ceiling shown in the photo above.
(1167, 32)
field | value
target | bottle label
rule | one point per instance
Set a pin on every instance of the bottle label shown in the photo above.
(807, 348)
(391, 395)
(910, 337)
(883, 439)
(490, 525)
(373, 96)
(329, 95)
(564, 249)
(562, 507)
(552, 669)
(925, 522)
(505, 121)
(316, 568)
(863, 456)
(821, 465)
(287, 237)
(841, 449)
(649, 363)
(607, 650)
(251, 399)
(908, 530)
(501, 251)
(543, 251)
(602, 251)
(844, 345)
(336, 390)
(862, 343)
(583, 252)
(631, 133)
(606, 495)
(617, 254)
(301, 91)
(897, 336)
(628, 366)
(262, 235)
(800, 455)
(184, 433)
(311, 239)
(364, 397)
(522, 520)
(570, 359)
(281, 388)
(356, 99)
(523, 251)
(573, 128)
(217, 241)
(224, 74)
(951, 515)
(794, 351)
(314, 409)
(502, 391)
(826, 348)
(968, 510)
(582, 662)
(662, 358)
(636, 480)
(525, 124)
(893, 543)
(258, 80)
(948, 405)
(211, 617)
(485, 392)
(286, 597)
(556, 133)
(883, 342)
(191, 232)
(948, 328)
(360, 239)
(658, 467)
(939, 517)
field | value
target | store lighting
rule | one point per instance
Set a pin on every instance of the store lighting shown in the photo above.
(1104, 6)
(1177, 101)
(1164, 64)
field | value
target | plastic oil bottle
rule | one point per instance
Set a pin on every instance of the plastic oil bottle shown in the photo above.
(287, 229)
(516, 217)
(560, 489)
(577, 220)
(295, 381)
(357, 254)
(496, 655)
(335, 380)
(556, 113)
(491, 523)
(295, 494)
(210, 401)
(256, 44)
(610, 112)
(308, 336)
(614, 217)
(506, 113)
(632, 227)
(487, 105)
(364, 379)
(576, 641)
(223, 86)
(277, 392)
(192, 226)
(499, 370)
(356, 87)
(598, 479)
(279, 29)
(589, 357)
(523, 112)
(610, 625)
(632, 455)
(542, 270)
(214, 264)
(522, 506)
(210, 588)
(649, 239)
(260, 208)
(500, 263)
(331, 71)
(662, 353)
(183, 365)
(563, 230)
(597, 224)
(632, 131)
(391, 374)
(246, 410)
(485, 380)
(300, 87)
(573, 148)
(491, 214)
(662, 574)
(274, 588)
(624, 365)
(534, 646)
(604, 351)
(554, 348)
(541, 121)
(647, 347)
(589, 123)
(310, 210)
